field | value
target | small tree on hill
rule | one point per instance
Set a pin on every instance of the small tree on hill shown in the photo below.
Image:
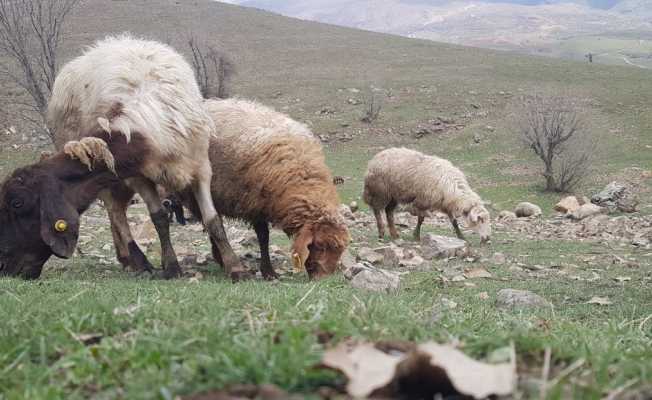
(31, 32)
(552, 128)
(373, 106)
(213, 69)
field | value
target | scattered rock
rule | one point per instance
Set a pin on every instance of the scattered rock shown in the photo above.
(567, 205)
(601, 301)
(347, 260)
(526, 209)
(391, 255)
(346, 213)
(477, 273)
(587, 210)
(506, 215)
(368, 255)
(583, 200)
(436, 246)
(353, 206)
(498, 259)
(368, 277)
(514, 299)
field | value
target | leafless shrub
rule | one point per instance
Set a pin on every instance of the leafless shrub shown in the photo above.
(372, 108)
(31, 32)
(213, 68)
(553, 129)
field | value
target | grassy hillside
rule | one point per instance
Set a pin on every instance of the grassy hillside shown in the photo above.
(303, 67)
(161, 339)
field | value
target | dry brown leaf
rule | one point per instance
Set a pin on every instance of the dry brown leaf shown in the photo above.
(603, 301)
(468, 376)
(477, 273)
(367, 368)
(417, 371)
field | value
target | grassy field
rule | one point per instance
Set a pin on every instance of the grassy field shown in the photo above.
(156, 340)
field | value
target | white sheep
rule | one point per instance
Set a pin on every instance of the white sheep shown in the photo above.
(142, 95)
(425, 183)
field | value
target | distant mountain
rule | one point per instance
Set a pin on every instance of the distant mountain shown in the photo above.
(529, 26)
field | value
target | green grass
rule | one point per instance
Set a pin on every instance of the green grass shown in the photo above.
(181, 337)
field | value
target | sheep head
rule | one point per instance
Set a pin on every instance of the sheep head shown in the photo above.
(318, 246)
(40, 207)
(478, 219)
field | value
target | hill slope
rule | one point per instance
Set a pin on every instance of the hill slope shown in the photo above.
(319, 73)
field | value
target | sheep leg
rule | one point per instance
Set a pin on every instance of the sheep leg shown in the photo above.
(458, 232)
(213, 223)
(129, 254)
(379, 223)
(389, 212)
(217, 256)
(159, 216)
(417, 230)
(266, 268)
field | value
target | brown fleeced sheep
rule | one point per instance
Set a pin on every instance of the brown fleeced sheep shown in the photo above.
(425, 183)
(272, 170)
(140, 101)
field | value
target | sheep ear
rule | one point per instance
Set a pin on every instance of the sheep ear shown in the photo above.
(300, 251)
(59, 221)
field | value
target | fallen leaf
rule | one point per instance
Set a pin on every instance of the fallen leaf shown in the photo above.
(418, 371)
(367, 368)
(622, 279)
(483, 295)
(603, 301)
(88, 339)
(477, 273)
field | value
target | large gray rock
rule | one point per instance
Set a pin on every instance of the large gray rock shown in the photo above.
(436, 246)
(609, 195)
(366, 276)
(526, 209)
(514, 299)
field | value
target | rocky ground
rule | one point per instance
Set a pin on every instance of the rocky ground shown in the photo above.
(379, 264)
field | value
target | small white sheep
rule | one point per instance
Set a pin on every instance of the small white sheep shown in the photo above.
(425, 183)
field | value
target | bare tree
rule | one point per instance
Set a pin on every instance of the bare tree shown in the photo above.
(31, 32)
(553, 129)
(372, 108)
(213, 68)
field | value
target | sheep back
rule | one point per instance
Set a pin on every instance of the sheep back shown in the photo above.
(268, 166)
(135, 86)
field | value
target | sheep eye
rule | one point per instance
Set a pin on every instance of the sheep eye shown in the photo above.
(17, 203)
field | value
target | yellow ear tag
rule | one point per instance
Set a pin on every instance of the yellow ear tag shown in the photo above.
(298, 265)
(60, 226)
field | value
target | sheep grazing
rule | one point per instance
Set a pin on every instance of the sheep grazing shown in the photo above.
(139, 102)
(272, 170)
(423, 183)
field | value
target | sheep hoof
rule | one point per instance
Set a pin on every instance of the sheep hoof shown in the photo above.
(269, 274)
(171, 272)
(240, 276)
